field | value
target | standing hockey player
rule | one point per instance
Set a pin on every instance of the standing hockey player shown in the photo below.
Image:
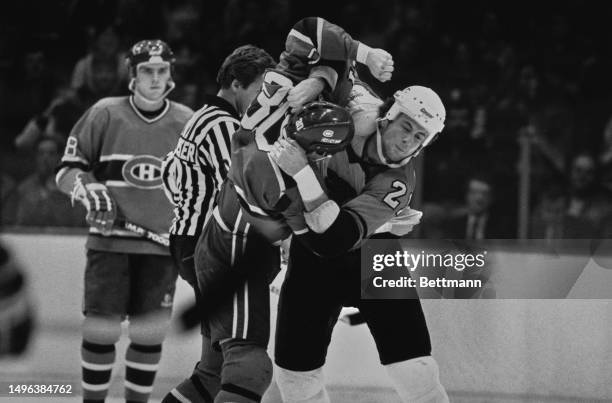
(112, 165)
(377, 169)
(193, 173)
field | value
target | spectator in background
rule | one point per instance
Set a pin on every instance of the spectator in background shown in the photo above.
(547, 219)
(579, 211)
(64, 111)
(106, 59)
(476, 220)
(28, 91)
(38, 201)
(588, 204)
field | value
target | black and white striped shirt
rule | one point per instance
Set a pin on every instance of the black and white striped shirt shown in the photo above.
(193, 172)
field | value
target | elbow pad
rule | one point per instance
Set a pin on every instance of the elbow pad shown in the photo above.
(321, 218)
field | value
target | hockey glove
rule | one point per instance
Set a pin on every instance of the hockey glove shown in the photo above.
(402, 224)
(101, 208)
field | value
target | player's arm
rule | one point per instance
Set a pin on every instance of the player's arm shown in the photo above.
(315, 47)
(334, 230)
(74, 176)
(380, 208)
(325, 228)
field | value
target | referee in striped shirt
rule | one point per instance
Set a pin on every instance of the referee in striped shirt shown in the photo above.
(193, 172)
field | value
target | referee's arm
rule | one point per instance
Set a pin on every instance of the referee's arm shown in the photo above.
(214, 154)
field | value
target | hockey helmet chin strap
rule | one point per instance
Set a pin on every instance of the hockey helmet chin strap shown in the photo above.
(132, 85)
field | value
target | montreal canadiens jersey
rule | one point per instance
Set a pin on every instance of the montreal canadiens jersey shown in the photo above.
(263, 195)
(124, 150)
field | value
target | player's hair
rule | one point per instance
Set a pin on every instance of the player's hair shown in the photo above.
(244, 64)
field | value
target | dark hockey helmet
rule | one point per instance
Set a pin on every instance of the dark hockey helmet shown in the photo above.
(149, 51)
(321, 127)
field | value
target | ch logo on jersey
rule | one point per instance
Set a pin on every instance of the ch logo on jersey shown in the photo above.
(143, 172)
(328, 133)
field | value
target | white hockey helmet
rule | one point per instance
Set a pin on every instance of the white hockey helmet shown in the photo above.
(422, 105)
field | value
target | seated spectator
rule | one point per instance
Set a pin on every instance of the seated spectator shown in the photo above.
(588, 204)
(579, 211)
(38, 201)
(476, 219)
(547, 220)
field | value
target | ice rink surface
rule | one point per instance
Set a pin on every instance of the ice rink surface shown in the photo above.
(352, 364)
(503, 351)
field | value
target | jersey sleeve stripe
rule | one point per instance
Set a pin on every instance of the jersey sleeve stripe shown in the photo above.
(319, 33)
(115, 157)
(301, 37)
(68, 159)
(251, 207)
(279, 176)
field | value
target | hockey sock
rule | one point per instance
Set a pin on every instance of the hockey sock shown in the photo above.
(417, 380)
(205, 381)
(246, 372)
(141, 363)
(97, 362)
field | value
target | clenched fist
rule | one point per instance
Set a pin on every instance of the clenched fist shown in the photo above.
(380, 63)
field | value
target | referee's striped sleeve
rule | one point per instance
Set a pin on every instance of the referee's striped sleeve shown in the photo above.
(216, 148)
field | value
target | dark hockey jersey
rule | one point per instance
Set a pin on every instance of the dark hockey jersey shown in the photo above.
(369, 190)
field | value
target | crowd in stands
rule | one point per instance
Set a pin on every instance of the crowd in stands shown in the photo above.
(511, 75)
